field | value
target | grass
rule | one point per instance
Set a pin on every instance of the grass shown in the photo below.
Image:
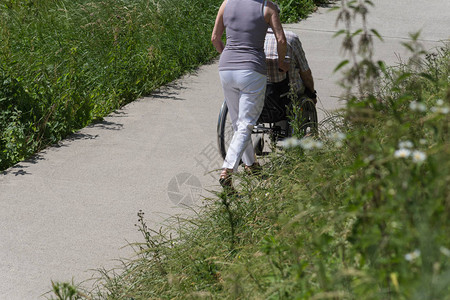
(294, 11)
(364, 214)
(352, 219)
(64, 63)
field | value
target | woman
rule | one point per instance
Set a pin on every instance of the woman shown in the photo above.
(242, 70)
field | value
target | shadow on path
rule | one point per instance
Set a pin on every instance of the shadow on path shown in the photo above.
(107, 125)
(20, 168)
(169, 91)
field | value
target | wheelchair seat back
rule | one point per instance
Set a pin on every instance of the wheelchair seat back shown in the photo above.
(276, 101)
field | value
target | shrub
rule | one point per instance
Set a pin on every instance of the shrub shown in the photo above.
(67, 63)
(294, 11)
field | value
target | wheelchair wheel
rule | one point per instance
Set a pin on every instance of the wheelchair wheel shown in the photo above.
(308, 124)
(258, 144)
(224, 130)
(225, 134)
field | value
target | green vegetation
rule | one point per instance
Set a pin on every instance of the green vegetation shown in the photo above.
(64, 64)
(293, 10)
(363, 212)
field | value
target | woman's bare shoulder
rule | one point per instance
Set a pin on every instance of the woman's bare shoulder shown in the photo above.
(271, 8)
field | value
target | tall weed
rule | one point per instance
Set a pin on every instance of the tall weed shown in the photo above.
(294, 11)
(64, 63)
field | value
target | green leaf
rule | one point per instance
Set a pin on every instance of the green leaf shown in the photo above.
(357, 32)
(377, 34)
(382, 65)
(428, 76)
(415, 36)
(342, 31)
(334, 8)
(340, 65)
(408, 46)
(403, 77)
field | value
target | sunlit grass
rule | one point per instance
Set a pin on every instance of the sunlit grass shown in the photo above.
(66, 63)
(351, 219)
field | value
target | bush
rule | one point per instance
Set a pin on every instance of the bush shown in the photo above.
(67, 63)
(294, 11)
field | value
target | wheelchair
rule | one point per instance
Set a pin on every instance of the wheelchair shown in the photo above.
(275, 121)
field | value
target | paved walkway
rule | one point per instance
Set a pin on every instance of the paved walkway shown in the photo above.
(73, 207)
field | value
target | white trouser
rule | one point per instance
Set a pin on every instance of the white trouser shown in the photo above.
(244, 92)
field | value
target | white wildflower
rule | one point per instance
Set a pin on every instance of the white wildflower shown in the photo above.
(290, 142)
(439, 102)
(418, 156)
(413, 255)
(405, 145)
(402, 153)
(417, 106)
(318, 145)
(369, 158)
(445, 251)
(396, 225)
(440, 110)
(309, 143)
(336, 136)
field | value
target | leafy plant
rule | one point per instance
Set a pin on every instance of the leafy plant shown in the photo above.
(67, 63)
(294, 10)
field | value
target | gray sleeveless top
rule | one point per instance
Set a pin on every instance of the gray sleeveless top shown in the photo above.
(246, 31)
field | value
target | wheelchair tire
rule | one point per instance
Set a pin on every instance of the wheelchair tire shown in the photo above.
(258, 145)
(224, 130)
(308, 121)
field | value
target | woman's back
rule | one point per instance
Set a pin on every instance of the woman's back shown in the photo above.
(245, 30)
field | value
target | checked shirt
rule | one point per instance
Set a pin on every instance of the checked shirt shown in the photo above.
(295, 55)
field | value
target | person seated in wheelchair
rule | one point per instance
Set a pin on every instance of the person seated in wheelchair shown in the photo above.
(298, 81)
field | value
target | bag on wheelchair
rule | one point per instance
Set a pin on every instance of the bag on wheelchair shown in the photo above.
(275, 102)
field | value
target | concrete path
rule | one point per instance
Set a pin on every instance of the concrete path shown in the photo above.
(73, 207)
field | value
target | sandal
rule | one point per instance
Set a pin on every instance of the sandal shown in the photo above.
(253, 169)
(225, 178)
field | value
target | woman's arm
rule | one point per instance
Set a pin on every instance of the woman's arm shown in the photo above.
(219, 28)
(272, 17)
